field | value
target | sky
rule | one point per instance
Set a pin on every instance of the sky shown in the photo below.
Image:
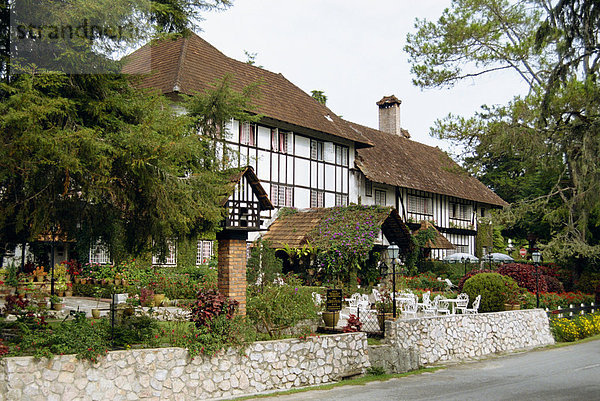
(353, 51)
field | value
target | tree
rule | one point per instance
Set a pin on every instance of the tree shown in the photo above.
(539, 151)
(319, 96)
(118, 165)
(94, 156)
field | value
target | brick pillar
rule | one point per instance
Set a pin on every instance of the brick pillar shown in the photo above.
(231, 266)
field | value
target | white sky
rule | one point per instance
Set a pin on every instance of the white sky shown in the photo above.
(351, 50)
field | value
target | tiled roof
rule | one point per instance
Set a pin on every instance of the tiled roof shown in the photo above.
(188, 65)
(399, 161)
(294, 229)
(235, 177)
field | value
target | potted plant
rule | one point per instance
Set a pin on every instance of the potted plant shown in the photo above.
(97, 295)
(56, 302)
(385, 309)
(512, 294)
(69, 290)
(39, 274)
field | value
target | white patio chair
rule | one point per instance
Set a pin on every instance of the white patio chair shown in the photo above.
(443, 306)
(410, 308)
(317, 299)
(431, 309)
(462, 302)
(426, 302)
(475, 306)
(377, 295)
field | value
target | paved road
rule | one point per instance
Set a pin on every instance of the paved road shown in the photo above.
(567, 373)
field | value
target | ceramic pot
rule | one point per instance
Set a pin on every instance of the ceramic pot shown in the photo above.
(330, 318)
(158, 299)
(96, 313)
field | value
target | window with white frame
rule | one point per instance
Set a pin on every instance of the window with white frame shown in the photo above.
(461, 248)
(170, 257)
(368, 187)
(341, 155)
(99, 254)
(282, 195)
(248, 134)
(279, 141)
(460, 211)
(420, 205)
(341, 200)
(379, 197)
(316, 149)
(204, 252)
(317, 198)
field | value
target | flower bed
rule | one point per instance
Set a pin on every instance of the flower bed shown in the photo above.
(552, 300)
(579, 327)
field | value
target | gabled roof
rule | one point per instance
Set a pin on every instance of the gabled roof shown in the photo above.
(188, 65)
(399, 161)
(294, 229)
(254, 183)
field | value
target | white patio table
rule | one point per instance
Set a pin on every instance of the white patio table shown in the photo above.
(453, 302)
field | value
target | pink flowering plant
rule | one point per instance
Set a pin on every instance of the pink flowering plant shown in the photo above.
(345, 237)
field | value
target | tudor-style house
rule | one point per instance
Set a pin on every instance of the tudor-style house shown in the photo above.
(305, 156)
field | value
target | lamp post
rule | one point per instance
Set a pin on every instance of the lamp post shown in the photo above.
(53, 232)
(392, 253)
(536, 256)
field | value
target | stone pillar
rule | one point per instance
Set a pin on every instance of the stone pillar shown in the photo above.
(231, 266)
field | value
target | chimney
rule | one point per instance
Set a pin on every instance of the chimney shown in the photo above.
(389, 116)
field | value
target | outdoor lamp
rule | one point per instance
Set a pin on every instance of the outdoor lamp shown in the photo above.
(392, 253)
(537, 256)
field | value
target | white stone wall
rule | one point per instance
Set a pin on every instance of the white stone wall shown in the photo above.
(463, 337)
(167, 374)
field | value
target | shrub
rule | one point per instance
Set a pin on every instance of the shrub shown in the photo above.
(524, 275)
(587, 282)
(452, 271)
(134, 330)
(469, 275)
(493, 290)
(88, 340)
(274, 308)
(210, 304)
(554, 285)
(424, 281)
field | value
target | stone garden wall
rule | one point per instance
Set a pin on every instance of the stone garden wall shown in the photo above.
(462, 337)
(167, 374)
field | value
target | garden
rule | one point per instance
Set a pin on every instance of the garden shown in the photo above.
(343, 256)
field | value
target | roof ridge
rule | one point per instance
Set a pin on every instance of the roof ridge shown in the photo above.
(180, 62)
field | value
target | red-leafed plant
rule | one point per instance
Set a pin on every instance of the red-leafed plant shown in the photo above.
(353, 325)
(208, 305)
(554, 284)
(3, 349)
(524, 275)
(15, 304)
